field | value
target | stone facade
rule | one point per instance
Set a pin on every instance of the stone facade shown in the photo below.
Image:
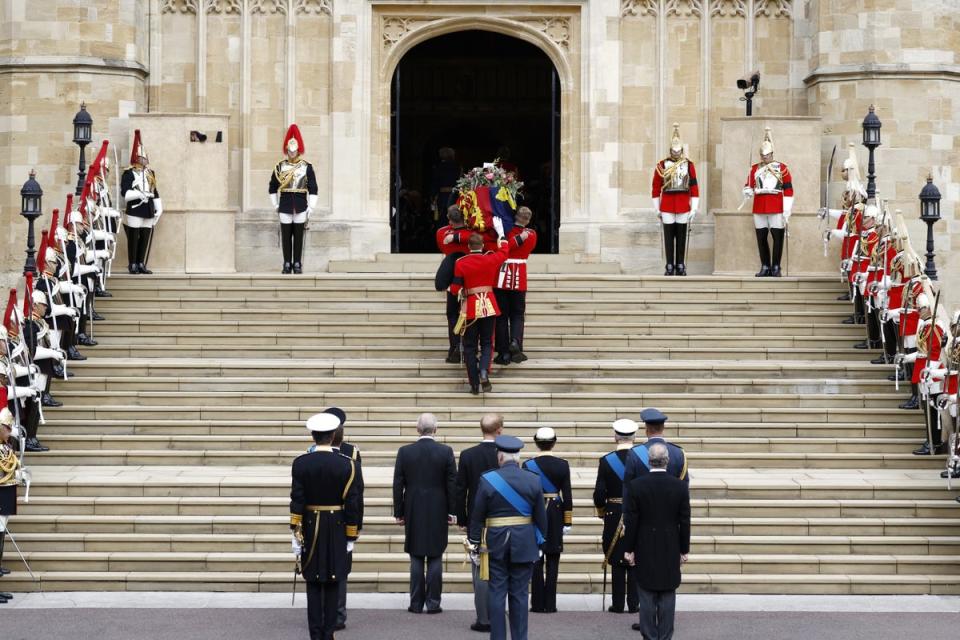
(627, 69)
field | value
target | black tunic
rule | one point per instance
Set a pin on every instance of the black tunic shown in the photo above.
(474, 462)
(135, 208)
(560, 509)
(609, 486)
(325, 478)
(352, 452)
(424, 481)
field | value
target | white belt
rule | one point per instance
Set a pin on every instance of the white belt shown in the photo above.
(516, 261)
(767, 192)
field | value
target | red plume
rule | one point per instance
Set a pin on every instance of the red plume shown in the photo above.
(137, 151)
(42, 251)
(66, 212)
(83, 199)
(8, 314)
(97, 166)
(54, 221)
(293, 132)
(28, 295)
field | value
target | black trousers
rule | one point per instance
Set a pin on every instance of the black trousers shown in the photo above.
(933, 419)
(453, 314)
(624, 586)
(478, 337)
(675, 242)
(890, 339)
(322, 609)
(513, 309)
(426, 582)
(543, 586)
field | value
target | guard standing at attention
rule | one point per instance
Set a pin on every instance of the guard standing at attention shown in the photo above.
(293, 192)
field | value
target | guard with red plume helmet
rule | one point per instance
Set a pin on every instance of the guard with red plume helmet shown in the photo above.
(143, 206)
(293, 192)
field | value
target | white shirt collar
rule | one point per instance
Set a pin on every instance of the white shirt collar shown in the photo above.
(425, 438)
(658, 470)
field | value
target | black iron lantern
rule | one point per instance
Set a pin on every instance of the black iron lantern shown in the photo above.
(930, 214)
(31, 205)
(871, 140)
(82, 136)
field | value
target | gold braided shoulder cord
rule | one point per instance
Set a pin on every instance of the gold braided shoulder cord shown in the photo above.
(667, 173)
(9, 463)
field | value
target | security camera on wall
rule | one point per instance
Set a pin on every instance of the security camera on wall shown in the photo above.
(749, 85)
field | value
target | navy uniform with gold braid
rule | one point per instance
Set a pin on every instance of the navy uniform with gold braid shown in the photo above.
(636, 462)
(507, 525)
(325, 516)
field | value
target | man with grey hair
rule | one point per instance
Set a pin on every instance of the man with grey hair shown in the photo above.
(657, 534)
(423, 502)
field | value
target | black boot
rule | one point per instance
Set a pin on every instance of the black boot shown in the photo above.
(48, 400)
(668, 270)
(34, 446)
(881, 359)
(453, 355)
(681, 237)
(923, 450)
(764, 249)
(914, 402)
(73, 354)
(100, 292)
(778, 240)
(485, 382)
(845, 297)
(86, 341)
(669, 242)
(3, 537)
(286, 246)
(897, 375)
(298, 230)
(142, 244)
(133, 242)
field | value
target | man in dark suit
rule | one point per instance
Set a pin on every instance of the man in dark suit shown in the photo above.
(423, 490)
(554, 475)
(657, 518)
(506, 530)
(474, 462)
(324, 519)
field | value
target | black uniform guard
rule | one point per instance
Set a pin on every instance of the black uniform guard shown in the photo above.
(554, 475)
(325, 518)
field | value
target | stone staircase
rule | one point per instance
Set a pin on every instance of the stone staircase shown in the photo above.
(169, 467)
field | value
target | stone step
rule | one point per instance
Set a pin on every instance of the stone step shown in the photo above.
(460, 581)
(731, 457)
(516, 383)
(469, 409)
(368, 561)
(579, 449)
(502, 400)
(382, 506)
(365, 432)
(305, 368)
(574, 545)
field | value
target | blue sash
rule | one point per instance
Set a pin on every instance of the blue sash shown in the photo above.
(643, 455)
(515, 499)
(548, 487)
(614, 461)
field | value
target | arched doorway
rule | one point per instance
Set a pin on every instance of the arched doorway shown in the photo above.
(479, 93)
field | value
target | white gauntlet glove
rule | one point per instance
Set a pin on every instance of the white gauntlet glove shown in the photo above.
(275, 200)
(349, 546)
(498, 226)
(567, 529)
(747, 192)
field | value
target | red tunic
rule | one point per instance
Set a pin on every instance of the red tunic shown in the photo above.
(934, 345)
(476, 275)
(513, 273)
(861, 262)
(459, 244)
(674, 201)
(769, 189)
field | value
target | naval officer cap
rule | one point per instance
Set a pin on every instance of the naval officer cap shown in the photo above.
(509, 444)
(323, 422)
(339, 413)
(545, 434)
(653, 416)
(625, 427)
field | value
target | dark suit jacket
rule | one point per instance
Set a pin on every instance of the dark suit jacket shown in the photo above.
(657, 520)
(423, 491)
(518, 543)
(474, 462)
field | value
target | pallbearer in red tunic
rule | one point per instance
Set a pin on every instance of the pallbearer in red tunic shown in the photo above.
(771, 187)
(511, 292)
(676, 198)
(452, 240)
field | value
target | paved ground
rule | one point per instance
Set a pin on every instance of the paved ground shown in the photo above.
(377, 617)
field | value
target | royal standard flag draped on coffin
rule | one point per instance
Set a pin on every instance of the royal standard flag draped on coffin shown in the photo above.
(486, 193)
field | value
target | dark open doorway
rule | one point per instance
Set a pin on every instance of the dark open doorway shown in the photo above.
(475, 92)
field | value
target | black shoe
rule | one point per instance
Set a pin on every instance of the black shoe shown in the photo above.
(4, 571)
(482, 628)
(633, 610)
(102, 293)
(437, 610)
(523, 357)
(764, 272)
(669, 270)
(881, 359)
(636, 626)
(514, 347)
(142, 268)
(48, 400)
(96, 316)
(954, 475)
(518, 357)
(923, 450)
(775, 271)
(845, 297)
(550, 610)
(412, 610)
(502, 359)
(940, 449)
(613, 609)
(474, 389)
(58, 372)
(897, 375)
(86, 341)
(132, 269)
(485, 382)
(73, 354)
(297, 267)
(6, 595)
(681, 270)
(860, 345)
(33, 445)
(912, 403)
(287, 268)
(453, 356)
(340, 626)
(534, 610)
(849, 320)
